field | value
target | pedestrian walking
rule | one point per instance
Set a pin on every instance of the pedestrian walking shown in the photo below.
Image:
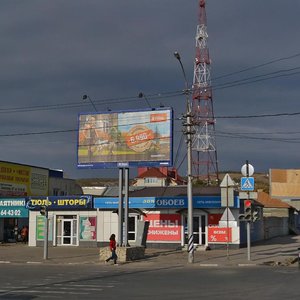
(24, 234)
(112, 247)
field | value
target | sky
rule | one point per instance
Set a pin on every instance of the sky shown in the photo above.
(54, 52)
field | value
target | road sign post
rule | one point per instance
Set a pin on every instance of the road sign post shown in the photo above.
(247, 184)
(44, 212)
(248, 241)
(227, 199)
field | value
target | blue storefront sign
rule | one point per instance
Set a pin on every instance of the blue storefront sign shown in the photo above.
(162, 202)
(13, 208)
(61, 202)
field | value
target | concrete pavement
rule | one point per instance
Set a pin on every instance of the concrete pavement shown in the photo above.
(280, 251)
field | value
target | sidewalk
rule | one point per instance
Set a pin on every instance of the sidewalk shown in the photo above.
(280, 251)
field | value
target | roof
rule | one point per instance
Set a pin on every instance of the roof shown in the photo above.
(152, 172)
(156, 173)
(269, 202)
(113, 191)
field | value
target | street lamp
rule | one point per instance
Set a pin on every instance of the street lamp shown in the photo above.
(142, 95)
(189, 163)
(84, 97)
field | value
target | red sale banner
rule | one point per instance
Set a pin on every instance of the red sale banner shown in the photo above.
(219, 234)
(164, 227)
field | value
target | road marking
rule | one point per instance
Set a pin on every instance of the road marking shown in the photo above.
(50, 292)
(71, 288)
(209, 265)
(85, 285)
(4, 262)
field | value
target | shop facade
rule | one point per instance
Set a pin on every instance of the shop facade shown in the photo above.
(71, 221)
(13, 213)
(166, 219)
(88, 221)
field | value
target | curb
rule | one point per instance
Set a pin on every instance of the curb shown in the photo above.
(209, 265)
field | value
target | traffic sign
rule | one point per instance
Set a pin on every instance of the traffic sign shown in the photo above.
(247, 183)
(227, 181)
(248, 195)
(250, 170)
(227, 194)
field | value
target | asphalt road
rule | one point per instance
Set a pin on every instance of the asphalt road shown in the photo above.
(25, 281)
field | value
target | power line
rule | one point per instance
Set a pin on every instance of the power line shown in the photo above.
(164, 95)
(102, 102)
(259, 133)
(285, 140)
(161, 95)
(253, 81)
(146, 122)
(258, 66)
(259, 116)
(233, 83)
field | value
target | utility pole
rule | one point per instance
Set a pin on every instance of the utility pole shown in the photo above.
(189, 164)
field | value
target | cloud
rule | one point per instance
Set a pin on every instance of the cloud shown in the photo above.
(55, 51)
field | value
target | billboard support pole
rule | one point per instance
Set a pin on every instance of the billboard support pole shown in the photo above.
(126, 207)
(120, 215)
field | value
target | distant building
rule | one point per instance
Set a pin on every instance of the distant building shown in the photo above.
(157, 177)
(277, 216)
(285, 185)
(19, 181)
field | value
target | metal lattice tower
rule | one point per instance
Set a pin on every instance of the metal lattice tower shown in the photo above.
(204, 151)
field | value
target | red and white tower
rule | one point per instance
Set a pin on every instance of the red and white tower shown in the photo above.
(204, 151)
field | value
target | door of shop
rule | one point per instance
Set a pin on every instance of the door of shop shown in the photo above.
(67, 232)
(199, 230)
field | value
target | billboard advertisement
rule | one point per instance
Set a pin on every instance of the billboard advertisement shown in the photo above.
(164, 227)
(218, 234)
(125, 139)
(17, 180)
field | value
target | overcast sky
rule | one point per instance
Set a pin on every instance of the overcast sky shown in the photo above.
(55, 51)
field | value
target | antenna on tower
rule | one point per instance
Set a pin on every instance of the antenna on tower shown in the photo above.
(204, 150)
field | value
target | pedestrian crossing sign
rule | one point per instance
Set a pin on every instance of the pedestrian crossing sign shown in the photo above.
(247, 183)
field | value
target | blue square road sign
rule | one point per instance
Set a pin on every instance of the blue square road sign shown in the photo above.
(247, 183)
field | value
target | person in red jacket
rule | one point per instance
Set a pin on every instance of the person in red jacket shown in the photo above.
(112, 247)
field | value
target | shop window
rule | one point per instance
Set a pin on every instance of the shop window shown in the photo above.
(55, 192)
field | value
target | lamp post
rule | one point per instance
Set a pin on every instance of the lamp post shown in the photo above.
(189, 164)
(84, 97)
(142, 95)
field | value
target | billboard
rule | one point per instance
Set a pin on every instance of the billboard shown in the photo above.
(17, 180)
(164, 227)
(125, 139)
(219, 234)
